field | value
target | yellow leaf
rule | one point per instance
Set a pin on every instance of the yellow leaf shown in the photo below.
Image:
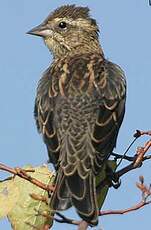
(25, 214)
(9, 195)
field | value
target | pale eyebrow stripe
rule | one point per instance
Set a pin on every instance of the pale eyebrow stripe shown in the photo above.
(78, 22)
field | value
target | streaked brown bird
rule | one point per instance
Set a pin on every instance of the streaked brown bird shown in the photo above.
(79, 107)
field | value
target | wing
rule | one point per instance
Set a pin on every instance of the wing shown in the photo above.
(43, 113)
(92, 111)
(110, 85)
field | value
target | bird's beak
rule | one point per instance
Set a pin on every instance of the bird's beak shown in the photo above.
(42, 30)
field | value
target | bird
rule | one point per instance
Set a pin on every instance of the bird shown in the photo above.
(79, 107)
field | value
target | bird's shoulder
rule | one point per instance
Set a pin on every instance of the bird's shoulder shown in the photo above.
(91, 73)
(87, 73)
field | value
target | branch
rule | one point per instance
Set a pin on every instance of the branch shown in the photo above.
(124, 211)
(82, 225)
(120, 156)
(142, 133)
(23, 174)
(64, 219)
(146, 193)
(128, 158)
(137, 160)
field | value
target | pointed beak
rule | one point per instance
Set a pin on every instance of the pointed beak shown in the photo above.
(42, 30)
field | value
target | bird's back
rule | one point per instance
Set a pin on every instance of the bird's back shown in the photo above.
(83, 101)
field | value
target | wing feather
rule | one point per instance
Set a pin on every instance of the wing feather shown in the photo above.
(111, 87)
(44, 115)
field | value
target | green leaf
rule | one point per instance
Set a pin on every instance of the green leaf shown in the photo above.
(103, 193)
(9, 195)
(27, 210)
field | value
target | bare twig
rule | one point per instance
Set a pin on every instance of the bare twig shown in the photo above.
(146, 193)
(119, 156)
(141, 152)
(129, 158)
(137, 161)
(141, 133)
(146, 190)
(126, 151)
(124, 211)
(23, 174)
(64, 219)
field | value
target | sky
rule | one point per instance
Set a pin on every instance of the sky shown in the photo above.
(125, 36)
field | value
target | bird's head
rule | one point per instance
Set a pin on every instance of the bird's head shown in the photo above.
(68, 30)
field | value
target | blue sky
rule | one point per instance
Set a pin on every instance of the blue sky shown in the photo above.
(126, 40)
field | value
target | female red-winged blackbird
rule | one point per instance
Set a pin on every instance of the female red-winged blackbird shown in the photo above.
(79, 107)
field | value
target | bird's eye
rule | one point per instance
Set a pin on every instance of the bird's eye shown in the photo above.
(62, 25)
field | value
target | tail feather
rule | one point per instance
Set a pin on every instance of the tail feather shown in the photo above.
(76, 186)
(81, 193)
(87, 205)
(60, 199)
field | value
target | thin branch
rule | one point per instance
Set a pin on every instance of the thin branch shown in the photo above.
(138, 160)
(141, 152)
(128, 158)
(23, 174)
(146, 193)
(137, 134)
(124, 154)
(119, 156)
(64, 219)
(141, 133)
(124, 211)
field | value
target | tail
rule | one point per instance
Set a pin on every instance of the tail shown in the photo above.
(76, 191)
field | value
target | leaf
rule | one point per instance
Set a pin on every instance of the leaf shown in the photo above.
(27, 212)
(9, 195)
(103, 193)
